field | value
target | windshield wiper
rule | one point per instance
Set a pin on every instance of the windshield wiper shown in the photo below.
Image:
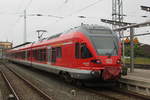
(109, 55)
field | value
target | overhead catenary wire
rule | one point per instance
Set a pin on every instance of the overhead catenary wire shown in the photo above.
(88, 6)
(62, 5)
(28, 5)
(19, 17)
(79, 10)
(19, 7)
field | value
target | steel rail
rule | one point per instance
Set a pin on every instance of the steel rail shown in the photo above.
(43, 94)
(119, 91)
(127, 93)
(131, 94)
(135, 88)
(10, 86)
(90, 90)
(102, 94)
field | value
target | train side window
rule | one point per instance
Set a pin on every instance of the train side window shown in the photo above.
(44, 54)
(24, 54)
(53, 57)
(41, 54)
(28, 53)
(48, 54)
(35, 54)
(85, 53)
(77, 49)
(21, 55)
(58, 52)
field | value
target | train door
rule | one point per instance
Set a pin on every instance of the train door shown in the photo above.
(26, 55)
(49, 54)
(53, 55)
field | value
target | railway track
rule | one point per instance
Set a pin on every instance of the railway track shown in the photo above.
(21, 88)
(130, 93)
(116, 94)
(13, 93)
(5, 92)
(113, 94)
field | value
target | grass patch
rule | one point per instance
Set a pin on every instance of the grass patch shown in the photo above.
(139, 60)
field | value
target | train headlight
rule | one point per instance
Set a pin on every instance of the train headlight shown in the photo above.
(96, 61)
(118, 61)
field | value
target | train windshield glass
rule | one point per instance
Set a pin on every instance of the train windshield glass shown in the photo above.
(105, 46)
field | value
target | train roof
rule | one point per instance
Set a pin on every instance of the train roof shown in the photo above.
(80, 28)
(21, 45)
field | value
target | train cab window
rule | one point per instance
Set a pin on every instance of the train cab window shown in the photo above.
(85, 53)
(58, 52)
(81, 51)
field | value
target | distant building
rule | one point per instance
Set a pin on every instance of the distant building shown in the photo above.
(4, 46)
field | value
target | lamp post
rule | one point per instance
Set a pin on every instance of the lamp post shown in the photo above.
(25, 27)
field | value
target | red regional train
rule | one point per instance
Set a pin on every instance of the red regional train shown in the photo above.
(85, 52)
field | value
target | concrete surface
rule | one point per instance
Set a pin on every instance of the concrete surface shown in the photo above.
(138, 81)
(139, 75)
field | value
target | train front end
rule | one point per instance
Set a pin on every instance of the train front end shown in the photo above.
(106, 45)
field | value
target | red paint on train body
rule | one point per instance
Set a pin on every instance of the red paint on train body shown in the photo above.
(81, 52)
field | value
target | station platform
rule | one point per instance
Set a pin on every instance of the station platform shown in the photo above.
(137, 81)
(139, 75)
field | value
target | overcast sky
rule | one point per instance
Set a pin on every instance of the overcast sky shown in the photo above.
(11, 16)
